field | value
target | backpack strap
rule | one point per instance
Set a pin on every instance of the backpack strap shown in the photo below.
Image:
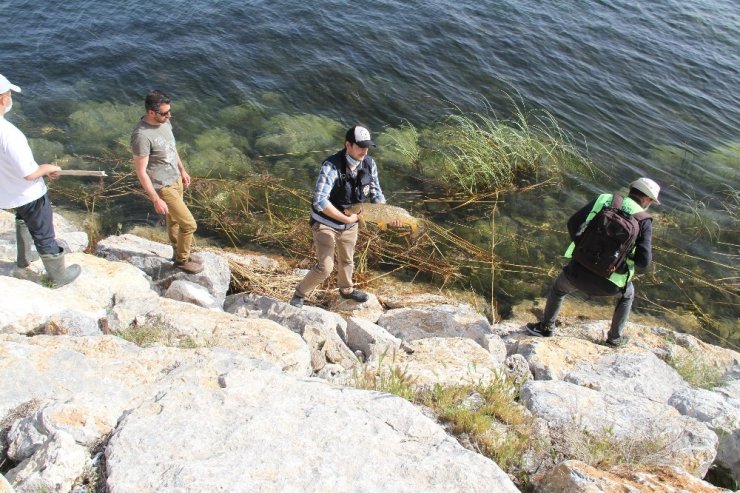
(617, 201)
(641, 216)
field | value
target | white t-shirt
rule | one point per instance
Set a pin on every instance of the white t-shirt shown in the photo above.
(16, 161)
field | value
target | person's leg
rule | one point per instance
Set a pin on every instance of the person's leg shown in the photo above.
(555, 296)
(345, 259)
(23, 241)
(181, 224)
(621, 313)
(38, 217)
(324, 239)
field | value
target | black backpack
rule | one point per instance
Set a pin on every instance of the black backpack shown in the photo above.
(608, 238)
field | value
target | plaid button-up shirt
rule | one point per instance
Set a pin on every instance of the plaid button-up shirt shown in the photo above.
(329, 175)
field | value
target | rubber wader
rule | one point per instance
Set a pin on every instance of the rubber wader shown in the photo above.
(24, 254)
(57, 273)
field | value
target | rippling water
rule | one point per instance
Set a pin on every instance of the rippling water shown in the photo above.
(623, 76)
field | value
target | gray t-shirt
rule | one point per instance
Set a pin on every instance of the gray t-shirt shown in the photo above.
(158, 143)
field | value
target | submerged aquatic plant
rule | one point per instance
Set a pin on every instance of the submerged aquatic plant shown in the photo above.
(296, 134)
(479, 154)
(103, 128)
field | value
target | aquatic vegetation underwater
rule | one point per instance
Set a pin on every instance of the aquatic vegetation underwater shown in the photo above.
(495, 195)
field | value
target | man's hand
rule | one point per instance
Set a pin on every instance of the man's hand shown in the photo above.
(160, 205)
(50, 170)
(53, 174)
(352, 218)
(185, 178)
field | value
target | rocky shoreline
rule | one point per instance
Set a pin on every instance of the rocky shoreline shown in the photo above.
(247, 393)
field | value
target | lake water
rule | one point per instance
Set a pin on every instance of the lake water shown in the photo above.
(644, 88)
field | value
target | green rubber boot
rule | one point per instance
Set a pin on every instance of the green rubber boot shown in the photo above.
(24, 254)
(56, 272)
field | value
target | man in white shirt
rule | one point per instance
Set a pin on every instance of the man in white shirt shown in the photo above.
(22, 188)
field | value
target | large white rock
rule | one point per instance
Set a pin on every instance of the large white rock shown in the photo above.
(686, 443)
(257, 338)
(719, 411)
(28, 305)
(265, 431)
(54, 467)
(411, 324)
(326, 332)
(79, 387)
(150, 256)
(622, 373)
(373, 340)
(86, 422)
(553, 357)
(444, 360)
(189, 292)
(155, 259)
(370, 310)
(103, 373)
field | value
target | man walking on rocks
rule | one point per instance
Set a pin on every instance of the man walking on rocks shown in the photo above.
(163, 176)
(589, 270)
(347, 177)
(22, 188)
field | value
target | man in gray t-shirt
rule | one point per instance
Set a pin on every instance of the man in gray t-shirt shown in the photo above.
(163, 176)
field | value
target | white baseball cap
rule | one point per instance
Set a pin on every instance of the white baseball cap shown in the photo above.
(360, 136)
(648, 187)
(5, 85)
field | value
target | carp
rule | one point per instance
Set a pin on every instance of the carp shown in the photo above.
(383, 215)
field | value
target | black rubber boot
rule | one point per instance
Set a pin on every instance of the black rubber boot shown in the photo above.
(56, 272)
(355, 295)
(23, 240)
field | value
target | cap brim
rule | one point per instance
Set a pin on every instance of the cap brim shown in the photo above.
(366, 144)
(14, 88)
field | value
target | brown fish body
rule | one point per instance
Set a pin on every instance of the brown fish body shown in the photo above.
(383, 214)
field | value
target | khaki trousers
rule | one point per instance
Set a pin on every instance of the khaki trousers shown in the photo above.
(329, 241)
(180, 222)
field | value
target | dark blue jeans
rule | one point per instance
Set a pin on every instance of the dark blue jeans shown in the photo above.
(38, 217)
(563, 286)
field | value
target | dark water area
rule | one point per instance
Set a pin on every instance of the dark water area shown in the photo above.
(622, 77)
(643, 88)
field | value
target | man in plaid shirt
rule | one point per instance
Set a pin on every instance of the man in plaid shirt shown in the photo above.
(347, 177)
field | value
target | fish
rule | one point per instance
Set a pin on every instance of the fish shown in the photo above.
(384, 215)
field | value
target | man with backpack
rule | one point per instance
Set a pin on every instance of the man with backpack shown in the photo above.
(611, 235)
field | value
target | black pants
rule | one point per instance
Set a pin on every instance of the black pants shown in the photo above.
(38, 217)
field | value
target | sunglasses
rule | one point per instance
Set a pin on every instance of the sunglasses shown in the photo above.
(163, 113)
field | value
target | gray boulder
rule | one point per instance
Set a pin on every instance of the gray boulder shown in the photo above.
(369, 310)
(263, 431)
(624, 418)
(54, 467)
(75, 308)
(629, 373)
(719, 411)
(155, 259)
(411, 324)
(371, 339)
(185, 324)
(190, 292)
(326, 332)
